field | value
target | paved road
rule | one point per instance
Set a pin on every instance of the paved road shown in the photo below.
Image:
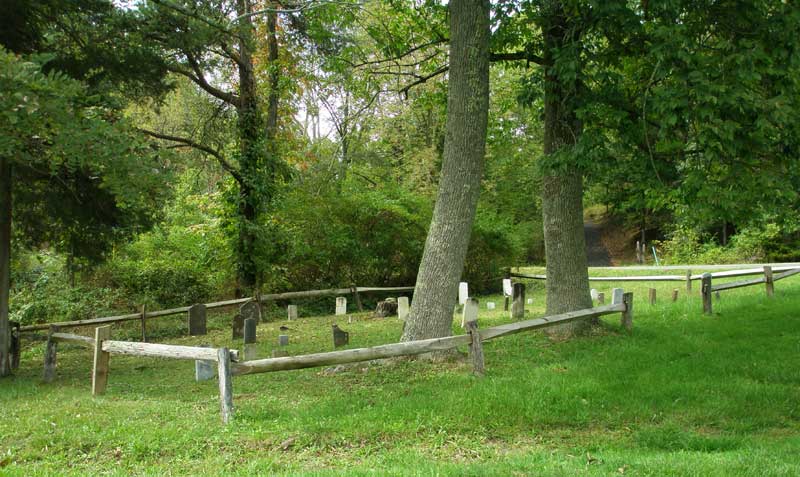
(596, 252)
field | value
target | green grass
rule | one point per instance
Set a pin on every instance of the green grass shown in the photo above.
(683, 394)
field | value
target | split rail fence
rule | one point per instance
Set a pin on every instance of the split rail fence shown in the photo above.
(768, 279)
(229, 365)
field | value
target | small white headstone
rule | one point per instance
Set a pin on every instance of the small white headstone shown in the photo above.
(490, 305)
(616, 296)
(463, 293)
(508, 289)
(530, 301)
(402, 307)
(292, 310)
(341, 305)
(593, 293)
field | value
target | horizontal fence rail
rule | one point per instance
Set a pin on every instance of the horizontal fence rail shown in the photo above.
(217, 304)
(768, 279)
(155, 350)
(668, 278)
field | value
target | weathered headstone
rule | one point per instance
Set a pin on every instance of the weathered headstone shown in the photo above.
(292, 312)
(490, 305)
(341, 305)
(283, 340)
(616, 296)
(470, 311)
(402, 307)
(508, 290)
(387, 307)
(518, 305)
(250, 338)
(601, 298)
(250, 310)
(529, 301)
(197, 320)
(237, 327)
(593, 292)
(340, 337)
(204, 369)
(463, 293)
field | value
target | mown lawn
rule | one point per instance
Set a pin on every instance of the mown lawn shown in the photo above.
(684, 394)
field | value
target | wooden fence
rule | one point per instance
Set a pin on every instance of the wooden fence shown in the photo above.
(768, 279)
(145, 315)
(229, 365)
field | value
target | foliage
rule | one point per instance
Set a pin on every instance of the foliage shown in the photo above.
(687, 245)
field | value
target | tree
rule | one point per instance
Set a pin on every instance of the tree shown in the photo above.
(78, 181)
(462, 167)
(199, 41)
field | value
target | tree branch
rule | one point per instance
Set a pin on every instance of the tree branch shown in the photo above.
(518, 56)
(186, 142)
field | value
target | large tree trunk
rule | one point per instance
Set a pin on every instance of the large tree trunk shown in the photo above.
(5, 265)
(251, 153)
(459, 187)
(562, 187)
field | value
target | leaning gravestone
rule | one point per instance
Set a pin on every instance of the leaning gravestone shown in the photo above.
(197, 320)
(237, 327)
(470, 311)
(250, 310)
(341, 305)
(292, 311)
(402, 307)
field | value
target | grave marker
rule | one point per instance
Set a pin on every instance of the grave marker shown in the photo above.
(292, 312)
(463, 293)
(518, 305)
(402, 307)
(250, 310)
(197, 320)
(341, 305)
(237, 327)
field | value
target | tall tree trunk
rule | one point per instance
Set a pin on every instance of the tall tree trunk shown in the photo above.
(562, 187)
(5, 265)
(459, 187)
(251, 153)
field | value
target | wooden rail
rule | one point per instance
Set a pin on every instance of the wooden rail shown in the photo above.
(669, 278)
(217, 304)
(155, 350)
(768, 279)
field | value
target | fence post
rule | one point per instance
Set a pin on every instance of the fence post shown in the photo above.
(652, 296)
(627, 315)
(675, 295)
(476, 348)
(144, 323)
(356, 297)
(50, 350)
(688, 282)
(768, 281)
(706, 291)
(100, 364)
(225, 384)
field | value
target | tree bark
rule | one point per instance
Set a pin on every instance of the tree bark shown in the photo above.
(5, 264)
(442, 263)
(562, 185)
(251, 153)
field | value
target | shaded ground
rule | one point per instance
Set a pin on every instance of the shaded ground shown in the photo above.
(596, 252)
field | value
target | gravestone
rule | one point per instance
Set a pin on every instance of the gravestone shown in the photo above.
(292, 311)
(283, 340)
(593, 292)
(237, 327)
(616, 296)
(402, 307)
(204, 369)
(518, 305)
(250, 310)
(250, 346)
(340, 337)
(508, 290)
(463, 293)
(529, 301)
(341, 305)
(601, 298)
(197, 320)
(490, 305)
(470, 311)
(387, 307)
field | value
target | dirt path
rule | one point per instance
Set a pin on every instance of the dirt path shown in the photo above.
(596, 252)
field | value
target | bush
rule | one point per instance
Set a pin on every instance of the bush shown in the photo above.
(686, 245)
